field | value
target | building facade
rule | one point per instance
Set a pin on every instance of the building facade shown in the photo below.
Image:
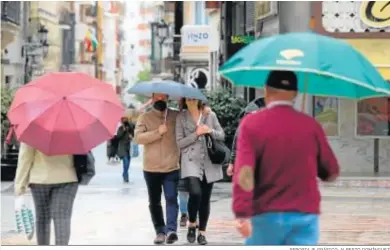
(47, 13)
(14, 21)
(358, 130)
(85, 18)
(131, 46)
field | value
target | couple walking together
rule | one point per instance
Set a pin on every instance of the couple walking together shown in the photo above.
(168, 135)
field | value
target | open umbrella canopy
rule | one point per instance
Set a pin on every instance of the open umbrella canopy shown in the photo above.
(65, 113)
(174, 89)
(325, 66)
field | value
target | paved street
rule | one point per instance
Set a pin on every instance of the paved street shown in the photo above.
(108, 212)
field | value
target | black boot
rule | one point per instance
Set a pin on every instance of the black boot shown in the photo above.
(191, 234)
(202, 239)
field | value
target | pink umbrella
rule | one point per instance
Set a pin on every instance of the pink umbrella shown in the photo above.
(65, 113)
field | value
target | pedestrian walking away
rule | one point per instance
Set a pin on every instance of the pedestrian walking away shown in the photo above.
(280, 154)
(196, 166)
(54, 183)
(155, 129)
(124, 136)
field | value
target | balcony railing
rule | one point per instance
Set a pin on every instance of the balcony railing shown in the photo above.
(10, 11)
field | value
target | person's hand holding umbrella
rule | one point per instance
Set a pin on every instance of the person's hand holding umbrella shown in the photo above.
(162, 129)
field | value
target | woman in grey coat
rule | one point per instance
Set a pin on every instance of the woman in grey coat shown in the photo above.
(196, 166)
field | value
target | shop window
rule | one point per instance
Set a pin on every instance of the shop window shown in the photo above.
(326, 112)
(373, 117)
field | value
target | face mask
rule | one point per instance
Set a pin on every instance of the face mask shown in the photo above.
(160, 105)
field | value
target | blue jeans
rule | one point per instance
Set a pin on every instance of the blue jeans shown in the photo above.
(126, 165)
(284, 228)
(155, 183)
(183, 202)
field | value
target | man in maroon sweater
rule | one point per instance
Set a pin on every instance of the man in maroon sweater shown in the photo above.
(280, 154)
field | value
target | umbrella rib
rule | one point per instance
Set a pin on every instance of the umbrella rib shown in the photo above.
(54, 124)
(96, 119)
(37, 117)
(74, 122)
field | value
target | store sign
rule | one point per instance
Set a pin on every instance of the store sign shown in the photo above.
(242, 39)
(196, 35)
(375, 14)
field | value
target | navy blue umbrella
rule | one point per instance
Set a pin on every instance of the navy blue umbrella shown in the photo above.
(174, 89)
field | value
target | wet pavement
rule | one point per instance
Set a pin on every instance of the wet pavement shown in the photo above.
(109, 212)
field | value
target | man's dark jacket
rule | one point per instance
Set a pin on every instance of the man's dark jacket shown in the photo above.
(123, 136)
(250, 108)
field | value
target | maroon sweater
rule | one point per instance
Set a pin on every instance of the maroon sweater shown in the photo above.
(287, 150)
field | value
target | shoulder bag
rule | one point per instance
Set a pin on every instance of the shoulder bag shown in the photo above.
(216, 149)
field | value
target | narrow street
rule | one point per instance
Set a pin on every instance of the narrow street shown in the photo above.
(109, 212)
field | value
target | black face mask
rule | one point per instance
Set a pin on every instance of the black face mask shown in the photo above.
(160, 105)
(126, 124)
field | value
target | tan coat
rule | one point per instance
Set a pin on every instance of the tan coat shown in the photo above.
(38, 168)
(161, 154)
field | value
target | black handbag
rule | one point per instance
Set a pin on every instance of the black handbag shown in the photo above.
(85, 167)
(217, 150)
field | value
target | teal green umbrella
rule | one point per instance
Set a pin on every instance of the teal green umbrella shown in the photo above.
(325, 66)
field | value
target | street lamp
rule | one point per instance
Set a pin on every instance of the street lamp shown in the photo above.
(36, 48)
(162, 34)
(42, 34)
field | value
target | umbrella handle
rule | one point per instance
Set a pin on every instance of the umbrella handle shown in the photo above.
(306, 83)
(165, 116)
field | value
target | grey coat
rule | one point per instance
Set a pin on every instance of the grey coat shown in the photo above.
(193, 149)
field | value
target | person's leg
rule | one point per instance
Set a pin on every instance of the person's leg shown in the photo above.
(204, 210)
(267, 229)
(154, 183)
(171, 181)
(304, 229)
(42, 201)
(183, 202)
(194, 188)
(183, 205)
(62, 205)
(126, 165)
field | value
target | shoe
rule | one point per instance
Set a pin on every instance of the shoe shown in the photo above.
(202, 239)
(172, 238)
(160, 239)
(191, 234)
(183, 220)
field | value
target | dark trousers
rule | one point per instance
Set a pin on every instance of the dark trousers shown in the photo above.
(199, 201)
(53, 201)
(155, 183)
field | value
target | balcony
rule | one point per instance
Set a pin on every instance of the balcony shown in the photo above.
(10, 22)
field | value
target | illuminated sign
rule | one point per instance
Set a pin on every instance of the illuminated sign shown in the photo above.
(375, 14)
(242, 39)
